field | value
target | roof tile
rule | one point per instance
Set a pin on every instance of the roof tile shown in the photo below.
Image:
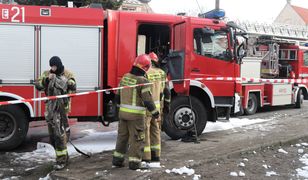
(302, 12)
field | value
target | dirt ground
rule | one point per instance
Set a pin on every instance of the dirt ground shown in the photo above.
(257, 164)
(253, 163)
(217, 155)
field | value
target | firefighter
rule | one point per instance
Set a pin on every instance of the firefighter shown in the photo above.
(161, 96)
(57, 81)
(133, 103)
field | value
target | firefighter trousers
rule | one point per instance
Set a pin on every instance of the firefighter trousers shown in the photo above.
(152, 147)
(130, 138)
(58, 137)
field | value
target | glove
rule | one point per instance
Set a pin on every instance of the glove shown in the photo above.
(155, 115)
(71, 85)
(46, 81)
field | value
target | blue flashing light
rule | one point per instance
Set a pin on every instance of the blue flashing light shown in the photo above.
(306, 44)
(214, 14)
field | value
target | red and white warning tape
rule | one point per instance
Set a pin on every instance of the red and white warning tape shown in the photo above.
(240, 80)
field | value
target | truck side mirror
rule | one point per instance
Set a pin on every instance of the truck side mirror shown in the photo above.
(241, 53)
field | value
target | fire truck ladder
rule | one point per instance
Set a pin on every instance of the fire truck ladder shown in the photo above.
(291, 32)
(272, 35)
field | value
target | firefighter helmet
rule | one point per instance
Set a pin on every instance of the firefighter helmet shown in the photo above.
(143, 61)
(153, 57)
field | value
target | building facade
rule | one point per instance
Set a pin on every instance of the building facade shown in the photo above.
(293, 15)
(136, 5)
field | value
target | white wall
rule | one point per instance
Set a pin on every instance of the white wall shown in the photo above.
(289, 16)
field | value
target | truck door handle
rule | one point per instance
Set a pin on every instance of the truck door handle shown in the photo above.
(195, 70)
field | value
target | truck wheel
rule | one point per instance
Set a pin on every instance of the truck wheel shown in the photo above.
(252, 105)
(299, 99)
(13, 126)
(181, 118)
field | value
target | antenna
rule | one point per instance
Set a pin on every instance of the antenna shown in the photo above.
(199, 6)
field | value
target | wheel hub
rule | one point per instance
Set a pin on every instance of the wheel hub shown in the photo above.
(184, 118)
(6, 126)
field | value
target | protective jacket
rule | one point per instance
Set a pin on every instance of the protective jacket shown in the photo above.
(43, 82)
(136, 100)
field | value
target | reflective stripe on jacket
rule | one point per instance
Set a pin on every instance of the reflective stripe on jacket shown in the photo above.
(132, 99)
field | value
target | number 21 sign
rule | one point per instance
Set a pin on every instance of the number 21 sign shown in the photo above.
(15, 14)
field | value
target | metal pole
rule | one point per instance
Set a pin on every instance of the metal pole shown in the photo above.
(217, 4)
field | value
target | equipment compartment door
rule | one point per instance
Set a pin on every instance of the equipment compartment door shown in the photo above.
(79, 49)
(17, 54)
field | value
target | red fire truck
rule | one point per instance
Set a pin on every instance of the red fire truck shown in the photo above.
(202, 54)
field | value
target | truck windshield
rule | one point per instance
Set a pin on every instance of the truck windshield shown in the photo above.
(211, 45)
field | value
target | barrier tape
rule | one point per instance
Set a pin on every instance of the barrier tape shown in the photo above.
(239, 80)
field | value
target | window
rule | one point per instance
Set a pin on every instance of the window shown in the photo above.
(153, 38)
(211, 45)
(306, 58)
(287, 54)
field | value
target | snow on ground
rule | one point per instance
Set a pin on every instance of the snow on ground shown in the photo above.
(271, 173)
(182, 170)
(304, 170)
(44, 152)
(245, 159)
(46, 178)
(232, 123)
(265, 166)
(95, 142)
(233, 174)
(241, 164)
(196, 177)
(304, 144)
(241, 174)
(282, 151)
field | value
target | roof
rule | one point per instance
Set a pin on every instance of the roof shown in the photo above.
(302, 12)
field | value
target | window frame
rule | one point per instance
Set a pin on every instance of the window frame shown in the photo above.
(198, 44)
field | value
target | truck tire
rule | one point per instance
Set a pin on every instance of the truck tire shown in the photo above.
(252, 105)
(299, 99)
(180, 119)
(13, 126)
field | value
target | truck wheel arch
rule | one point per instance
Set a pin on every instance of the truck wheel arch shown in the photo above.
(304, 90)
(258, 95)
(16, 118)
(202, 87)
(26, 106)
(206, 90)
(200, 91)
